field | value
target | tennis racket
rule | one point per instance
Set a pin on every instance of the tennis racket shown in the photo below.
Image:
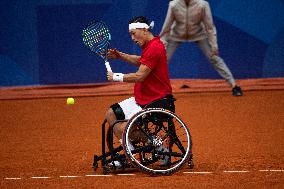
(96, 37)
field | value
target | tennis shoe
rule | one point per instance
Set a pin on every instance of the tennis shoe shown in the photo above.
(115, 164)
(237, 91)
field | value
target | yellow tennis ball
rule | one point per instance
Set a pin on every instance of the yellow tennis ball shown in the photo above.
(70, 101)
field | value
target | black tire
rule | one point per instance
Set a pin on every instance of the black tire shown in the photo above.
(157, 141)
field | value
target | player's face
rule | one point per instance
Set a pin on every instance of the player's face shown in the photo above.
(138, 36)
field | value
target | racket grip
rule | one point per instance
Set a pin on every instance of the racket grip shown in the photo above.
(108, 66)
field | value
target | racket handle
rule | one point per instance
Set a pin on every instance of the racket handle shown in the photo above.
(108, 66)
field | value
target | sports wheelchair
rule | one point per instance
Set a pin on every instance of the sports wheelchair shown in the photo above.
(155, 140)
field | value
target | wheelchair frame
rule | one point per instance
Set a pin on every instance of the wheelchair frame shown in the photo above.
(107, 157)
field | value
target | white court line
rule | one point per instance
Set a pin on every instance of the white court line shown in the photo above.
(68, 176)
(235, 171)
(273, 170)
(198, 172)
(98, 175)
(192, 172)
(16, 178)
(40, 177)
(125, 174)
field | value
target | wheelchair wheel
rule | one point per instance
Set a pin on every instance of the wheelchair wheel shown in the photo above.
(157, 141)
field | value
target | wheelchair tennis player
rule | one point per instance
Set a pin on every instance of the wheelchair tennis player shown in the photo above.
(150, 135)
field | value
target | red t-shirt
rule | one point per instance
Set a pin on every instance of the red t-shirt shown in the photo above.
(157, 83)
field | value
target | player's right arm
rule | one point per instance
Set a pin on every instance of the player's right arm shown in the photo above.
(132, 59)
(138, 76)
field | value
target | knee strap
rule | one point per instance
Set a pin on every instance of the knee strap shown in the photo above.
(118, 111)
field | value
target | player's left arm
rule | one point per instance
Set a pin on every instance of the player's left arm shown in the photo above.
(132, 59)
(210, 28)
(138, 76)
(168, 22)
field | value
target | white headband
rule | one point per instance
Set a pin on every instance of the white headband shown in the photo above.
(138, 25)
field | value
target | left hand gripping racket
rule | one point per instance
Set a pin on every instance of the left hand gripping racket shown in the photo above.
(96, 37)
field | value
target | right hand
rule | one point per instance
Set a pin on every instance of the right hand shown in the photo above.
(109, 76)
(113, 54)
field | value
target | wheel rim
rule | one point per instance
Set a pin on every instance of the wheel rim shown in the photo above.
(153, 151)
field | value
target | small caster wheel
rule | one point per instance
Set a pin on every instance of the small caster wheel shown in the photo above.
(95, 163)
(106, 170)
(190, 162)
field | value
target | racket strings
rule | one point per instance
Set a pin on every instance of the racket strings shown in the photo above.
(96, 36)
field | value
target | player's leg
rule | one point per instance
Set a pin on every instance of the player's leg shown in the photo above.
(121, 111)
(113, 114)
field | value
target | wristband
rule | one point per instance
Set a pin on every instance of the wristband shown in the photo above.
(117, 77)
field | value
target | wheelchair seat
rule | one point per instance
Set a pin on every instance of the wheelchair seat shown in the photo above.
(166, 103)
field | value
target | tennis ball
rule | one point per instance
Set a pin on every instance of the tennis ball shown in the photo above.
(70, 101)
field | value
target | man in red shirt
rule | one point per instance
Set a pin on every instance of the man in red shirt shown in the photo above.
(151, 79)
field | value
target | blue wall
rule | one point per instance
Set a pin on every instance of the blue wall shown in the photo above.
(40, 41)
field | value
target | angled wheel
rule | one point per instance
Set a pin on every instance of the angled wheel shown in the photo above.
(157, 141)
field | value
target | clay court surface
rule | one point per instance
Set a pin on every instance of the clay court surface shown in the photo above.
(238, 142)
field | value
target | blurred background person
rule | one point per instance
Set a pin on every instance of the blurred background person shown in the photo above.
(191, 20)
